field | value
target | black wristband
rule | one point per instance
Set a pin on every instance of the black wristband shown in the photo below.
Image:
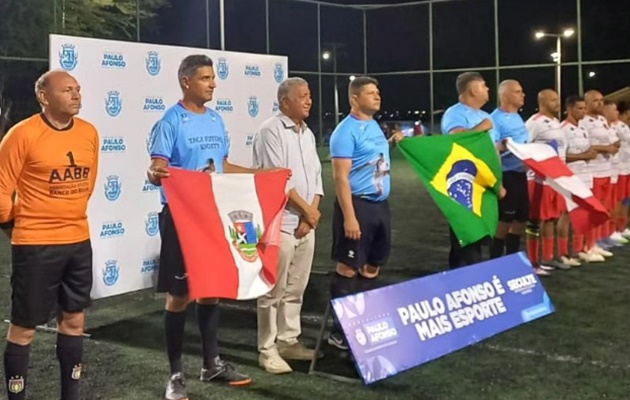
(7, 225)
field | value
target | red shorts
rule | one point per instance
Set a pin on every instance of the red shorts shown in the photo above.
(602, 192)
(544, 202)
(623, 187)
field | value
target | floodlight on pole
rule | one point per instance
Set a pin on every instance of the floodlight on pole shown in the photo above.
(352, 77)
(591, 74)
(568, 32)
(540, 34)
(326, 55)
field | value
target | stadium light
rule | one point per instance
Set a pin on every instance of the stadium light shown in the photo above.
(326, 55)
(557, 56)
(591, 74)
(352, 77)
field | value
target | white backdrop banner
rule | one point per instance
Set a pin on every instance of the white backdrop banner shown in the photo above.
(126, 87)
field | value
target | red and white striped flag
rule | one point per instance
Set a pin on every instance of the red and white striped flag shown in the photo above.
(229, 230)
(585, 210)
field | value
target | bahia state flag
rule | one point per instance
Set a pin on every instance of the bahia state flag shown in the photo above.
(463, 175)
(228, 226)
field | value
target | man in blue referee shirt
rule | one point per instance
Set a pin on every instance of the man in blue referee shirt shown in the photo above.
(361, 219)
(514, 207)
(192, 137)
(467, 116)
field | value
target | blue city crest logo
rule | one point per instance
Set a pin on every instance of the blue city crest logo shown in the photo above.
(68, 57)
(151, 225)
(278, 72)
(113, 187)
(276, 106)
(153, 63)
(111, 272)
(113, 103)
(223, 69)
(253, 107)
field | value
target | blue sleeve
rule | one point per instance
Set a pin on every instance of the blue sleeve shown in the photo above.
(495, 132)
(342, 144)
(226, 141)
(162, 140)
(453, 120)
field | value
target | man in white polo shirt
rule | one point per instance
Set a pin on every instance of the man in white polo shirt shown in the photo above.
(285, 141)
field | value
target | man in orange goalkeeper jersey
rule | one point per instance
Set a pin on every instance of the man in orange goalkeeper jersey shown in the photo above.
(48, 166)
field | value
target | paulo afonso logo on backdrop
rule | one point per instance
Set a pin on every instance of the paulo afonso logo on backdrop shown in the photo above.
(223, 68)
(153, 63)
(68, 57)
(111, 272)
(113, 187)
(113, 103)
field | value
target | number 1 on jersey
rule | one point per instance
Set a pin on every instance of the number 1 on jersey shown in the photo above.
(71, 158)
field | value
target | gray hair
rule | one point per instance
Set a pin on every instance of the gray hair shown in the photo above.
(465, 79)
(504, 85)
(287, 86)
(191, 64)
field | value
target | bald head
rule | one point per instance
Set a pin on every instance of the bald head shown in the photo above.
(511, 95)
(594, 102)
(58, 92)
(549, 102)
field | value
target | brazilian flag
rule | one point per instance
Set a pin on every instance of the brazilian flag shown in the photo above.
(463, 174)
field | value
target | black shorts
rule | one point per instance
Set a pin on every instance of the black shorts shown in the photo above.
(49, 278)
(172, 277)
(514, 207)
(376, 236)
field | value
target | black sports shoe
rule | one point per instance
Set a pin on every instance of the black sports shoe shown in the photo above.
(224, 373)
(338, 340)
(176, 388)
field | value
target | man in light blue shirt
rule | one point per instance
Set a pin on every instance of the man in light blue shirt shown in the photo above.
(192, 137)
(361, 218)
(467, 116)
(285, 140)
(514, 207)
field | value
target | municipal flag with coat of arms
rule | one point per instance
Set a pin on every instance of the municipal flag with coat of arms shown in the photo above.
(462, 172)
(228, 227)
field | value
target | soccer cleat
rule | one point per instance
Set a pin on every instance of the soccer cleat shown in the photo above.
(570, 261)
(176, 388)
(337, 340)
(223, 372)
(554, 264)
(541, 272)
(590, 256)
(617, 237)
(601, 252)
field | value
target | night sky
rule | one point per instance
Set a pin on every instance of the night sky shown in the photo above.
(398, 40)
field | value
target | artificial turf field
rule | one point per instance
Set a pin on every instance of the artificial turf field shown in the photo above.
(580, 352)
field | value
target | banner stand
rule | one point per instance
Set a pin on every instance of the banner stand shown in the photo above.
(320, 338)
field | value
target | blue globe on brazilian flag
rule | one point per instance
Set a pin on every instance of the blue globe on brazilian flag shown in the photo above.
(463, 175)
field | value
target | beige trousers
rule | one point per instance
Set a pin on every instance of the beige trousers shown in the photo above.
(279, 310)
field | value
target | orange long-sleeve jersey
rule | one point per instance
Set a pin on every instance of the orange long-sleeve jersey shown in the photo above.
(52, 172)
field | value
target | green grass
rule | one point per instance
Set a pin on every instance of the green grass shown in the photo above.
(580, 352)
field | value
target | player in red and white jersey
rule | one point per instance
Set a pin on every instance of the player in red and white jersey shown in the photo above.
(622, 132)
(600, 136)
(579, 154)
(546, 205)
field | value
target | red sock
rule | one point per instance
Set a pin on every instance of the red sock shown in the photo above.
(563, 246)
(533, 245)
(578, 243)
(610, 228)
(591, 236)
(547, 248)
(622, 224)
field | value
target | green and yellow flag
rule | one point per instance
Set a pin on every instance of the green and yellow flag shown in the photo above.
(463, 175)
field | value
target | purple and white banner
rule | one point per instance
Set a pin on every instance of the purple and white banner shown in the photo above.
(401, 326)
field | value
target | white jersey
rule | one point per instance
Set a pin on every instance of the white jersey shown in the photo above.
(578, 143)
(599, 135)
(544, 129)
(623, 133)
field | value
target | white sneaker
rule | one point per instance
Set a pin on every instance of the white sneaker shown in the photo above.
(617, 237)
(626, 233)
(541, 272)
(570, 261)
(591, 257)
(601, 252)
(274, 364)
